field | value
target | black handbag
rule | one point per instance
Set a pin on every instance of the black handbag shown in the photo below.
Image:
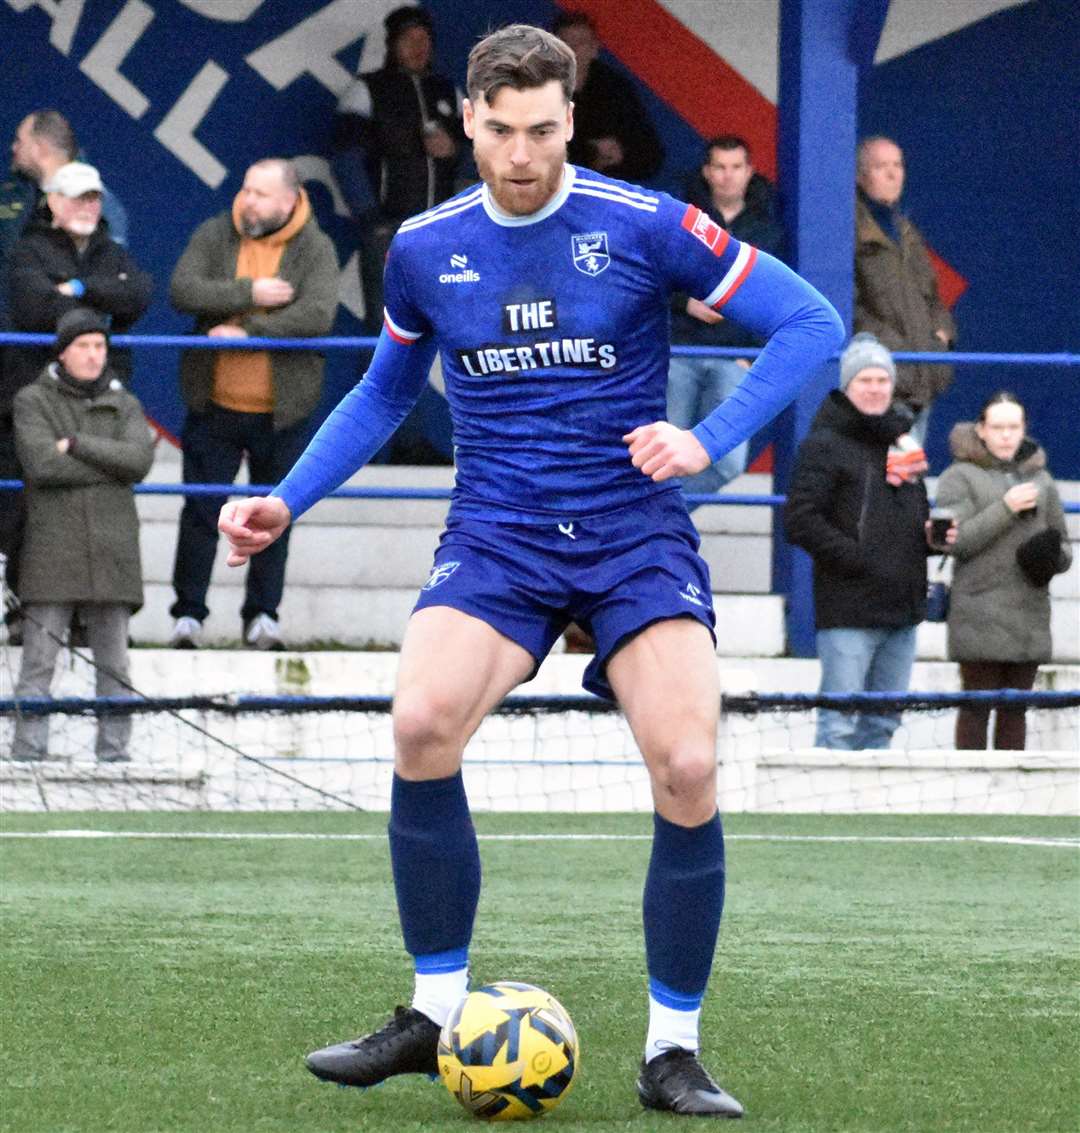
(937, 595)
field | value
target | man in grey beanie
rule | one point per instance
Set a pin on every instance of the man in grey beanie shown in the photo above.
(858, 505)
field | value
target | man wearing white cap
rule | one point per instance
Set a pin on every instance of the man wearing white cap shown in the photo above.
(66, 259)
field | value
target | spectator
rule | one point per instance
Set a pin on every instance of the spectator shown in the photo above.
(65, 260)
(1010, 541)
(43, 142)
(896, 293)
(741, 201)
(862, 518)
(397, 137)
(263, 268)
(612, 130)
(83, 441)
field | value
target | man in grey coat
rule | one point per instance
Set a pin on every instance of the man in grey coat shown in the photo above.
(82, 441)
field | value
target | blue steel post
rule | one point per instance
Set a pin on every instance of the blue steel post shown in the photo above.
(816, 151)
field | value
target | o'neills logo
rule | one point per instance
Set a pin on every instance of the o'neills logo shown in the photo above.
(466, 276)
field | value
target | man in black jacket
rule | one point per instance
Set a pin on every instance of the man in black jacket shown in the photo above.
(858, 505)
(397, 137)
(65, 259)
(612, 130)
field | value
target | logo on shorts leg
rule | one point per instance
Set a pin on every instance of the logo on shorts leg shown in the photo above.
(440, 572)
(690, 593)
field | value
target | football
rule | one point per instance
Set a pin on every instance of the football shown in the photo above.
(508, 1052)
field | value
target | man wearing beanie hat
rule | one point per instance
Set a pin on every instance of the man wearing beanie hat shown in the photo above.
(82, 320)
(83, 442)
(858, 505)
(397, 139)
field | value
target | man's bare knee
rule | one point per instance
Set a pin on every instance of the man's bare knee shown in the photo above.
(685, 779)
(428, 734)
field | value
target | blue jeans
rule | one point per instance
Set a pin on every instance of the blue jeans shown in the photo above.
(862, 660)
(696, 386)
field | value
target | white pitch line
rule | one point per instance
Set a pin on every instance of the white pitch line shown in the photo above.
(299, 836)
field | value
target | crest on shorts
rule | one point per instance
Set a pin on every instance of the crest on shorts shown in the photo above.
(440, 572)
(590, 252)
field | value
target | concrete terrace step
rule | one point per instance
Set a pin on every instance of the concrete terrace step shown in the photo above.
(355, 566)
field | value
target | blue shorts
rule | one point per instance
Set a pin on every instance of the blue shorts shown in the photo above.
(613, 574)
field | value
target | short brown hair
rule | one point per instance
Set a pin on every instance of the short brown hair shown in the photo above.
(51, 126)
(521, 57)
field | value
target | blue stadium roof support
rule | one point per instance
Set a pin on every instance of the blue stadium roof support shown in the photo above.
(816, 151)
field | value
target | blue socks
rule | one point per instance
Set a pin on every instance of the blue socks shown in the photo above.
(683, 903)
(436, 866)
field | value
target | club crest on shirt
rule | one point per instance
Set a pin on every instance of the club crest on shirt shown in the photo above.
(440, 572)
(590, 252)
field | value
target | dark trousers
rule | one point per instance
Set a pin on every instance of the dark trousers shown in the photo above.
(215, 444)
(375, 233)
(1010, 733)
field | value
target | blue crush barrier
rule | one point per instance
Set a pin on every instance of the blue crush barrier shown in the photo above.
(744, 704)
(345, 342)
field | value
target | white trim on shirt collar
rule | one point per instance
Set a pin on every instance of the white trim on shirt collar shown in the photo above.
(556, 202)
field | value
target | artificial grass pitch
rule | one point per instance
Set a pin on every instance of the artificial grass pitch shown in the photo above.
(175, 984)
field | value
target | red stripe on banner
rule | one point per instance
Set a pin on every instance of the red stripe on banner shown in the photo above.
(763, 462)
(750, 261)
(951, 284)
(703, 88)
(161, 433)
(686, 73)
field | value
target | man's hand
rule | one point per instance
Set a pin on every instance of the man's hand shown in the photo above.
(226, 330)
(607, 153)
(437, 142)
(662, 450)
(269, 291)
(251, 525)
(63, 444)
(1021, 497)
(699, 310)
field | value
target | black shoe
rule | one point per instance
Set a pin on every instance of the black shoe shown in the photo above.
(677, 1082)
(406, 1045)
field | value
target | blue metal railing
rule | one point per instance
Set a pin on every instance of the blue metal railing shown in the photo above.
(363, 342)
(747, 703)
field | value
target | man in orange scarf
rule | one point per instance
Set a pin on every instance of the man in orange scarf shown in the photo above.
(264, 268)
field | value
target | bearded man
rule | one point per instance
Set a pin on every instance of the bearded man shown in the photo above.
(264, 268)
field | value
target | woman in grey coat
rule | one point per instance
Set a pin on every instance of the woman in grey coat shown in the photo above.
(1010, 541)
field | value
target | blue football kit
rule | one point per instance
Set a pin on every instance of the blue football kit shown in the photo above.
(553, 333)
